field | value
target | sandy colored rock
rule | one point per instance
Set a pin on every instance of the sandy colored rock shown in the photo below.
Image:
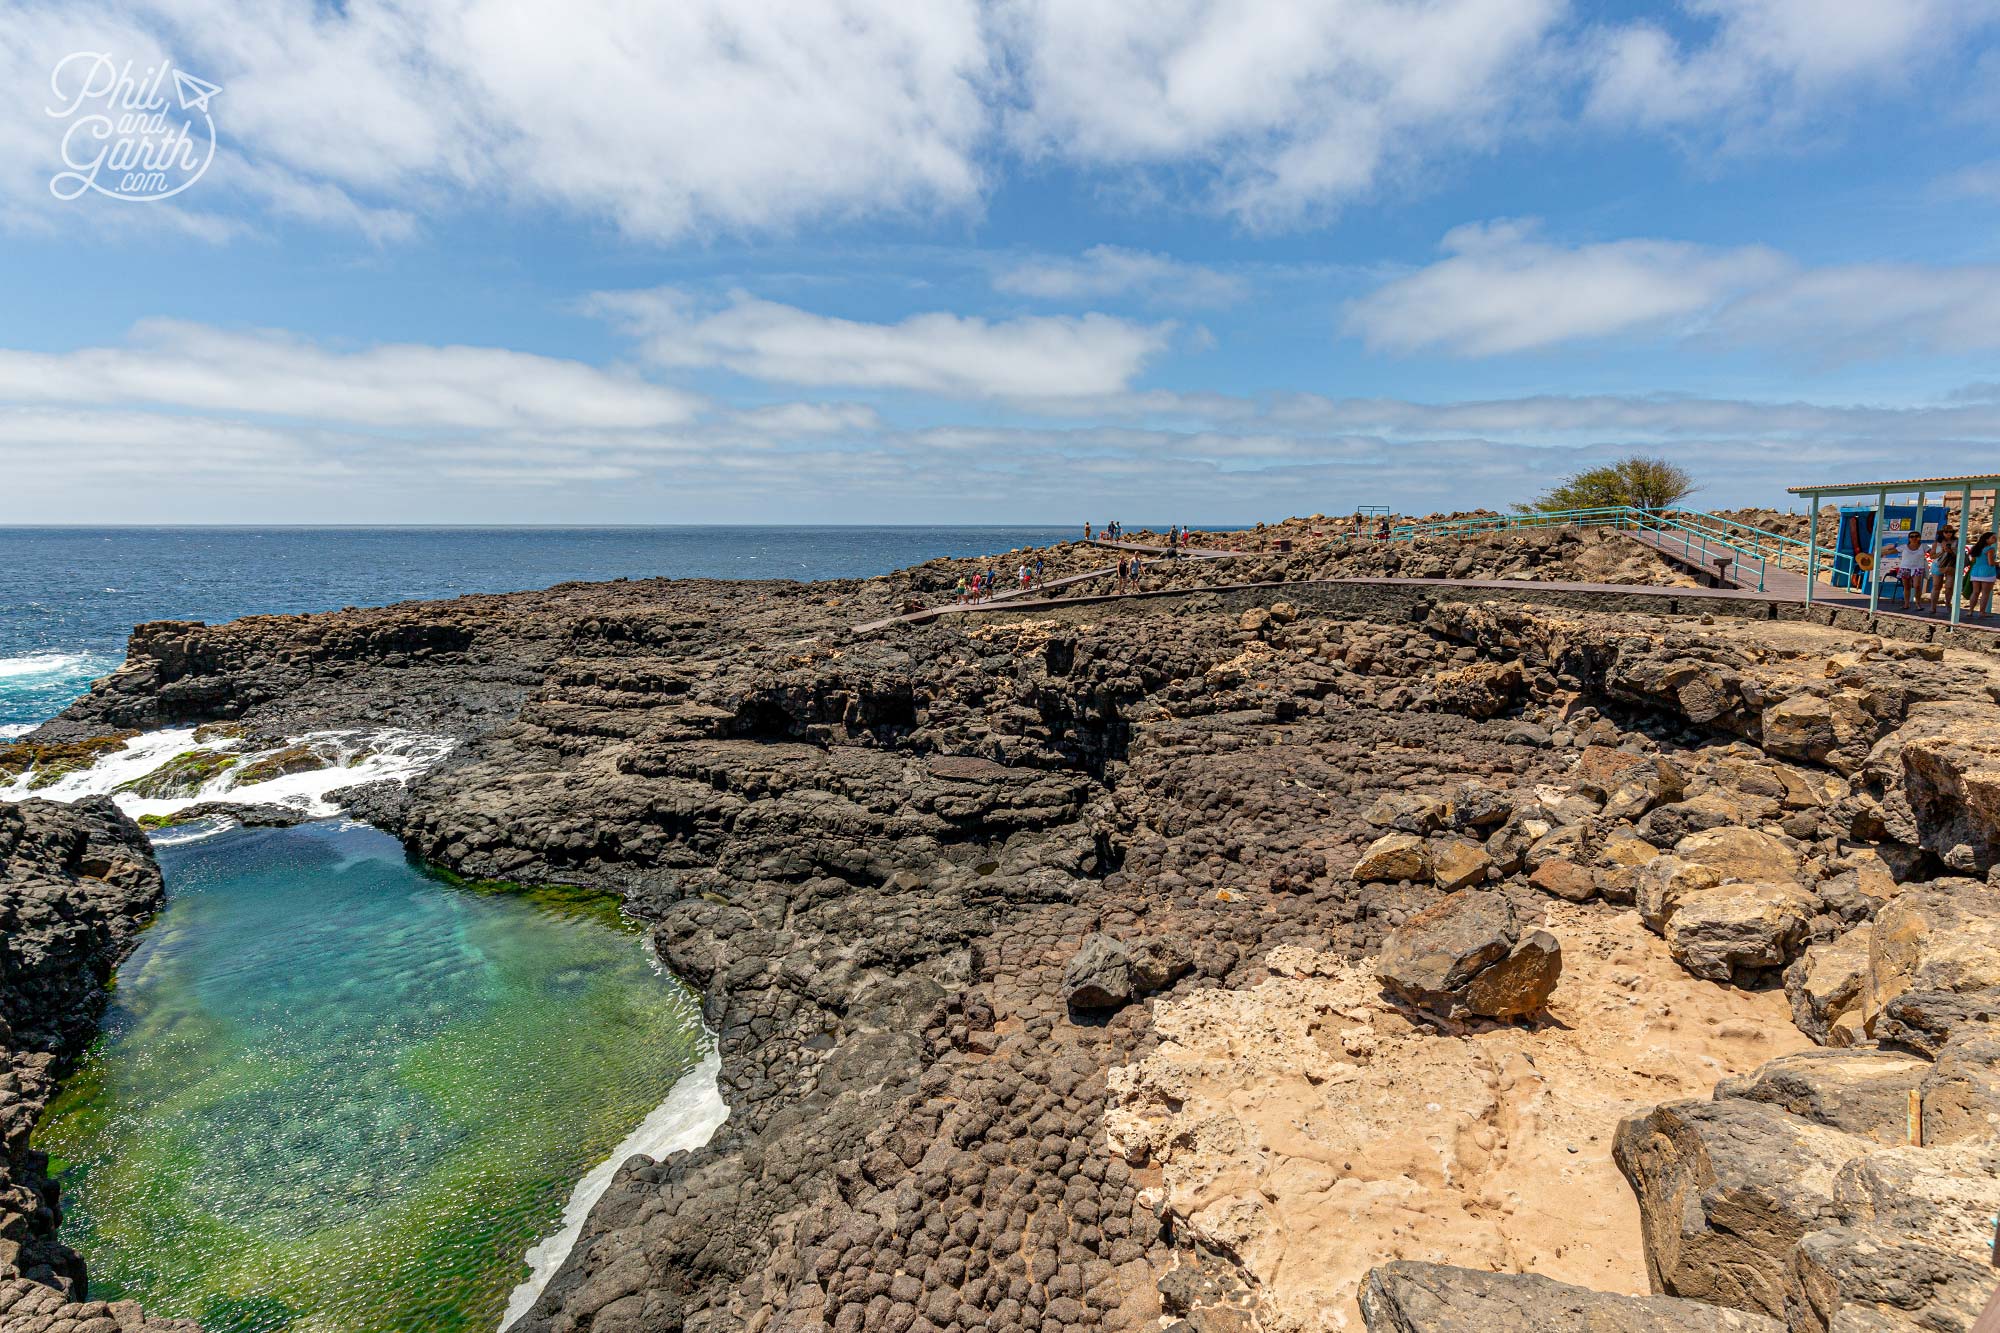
(1961, 1092)
(1565, 879)
(1663, 882)
(1406, 1297)
(1742, 854)
(1394, 857)
(1932, 939)
(1951, 780)
(1734, 929)
(1314, 1132)
(1864, 1092)
(1458, 864)
(1465, 955)
(1825, 985)
(1947, 1195)
(1800, 727)
(1725, 1190)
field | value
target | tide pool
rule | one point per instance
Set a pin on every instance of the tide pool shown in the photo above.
(335, 1093)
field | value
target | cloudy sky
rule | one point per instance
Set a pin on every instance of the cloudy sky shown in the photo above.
(1021, 260)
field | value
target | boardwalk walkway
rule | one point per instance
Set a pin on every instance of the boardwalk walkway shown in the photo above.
(1780, 586)
(1011, 598)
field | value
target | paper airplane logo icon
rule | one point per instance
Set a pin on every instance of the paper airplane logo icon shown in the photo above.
(194, 93)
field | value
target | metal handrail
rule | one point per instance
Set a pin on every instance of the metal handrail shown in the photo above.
(1715, 534)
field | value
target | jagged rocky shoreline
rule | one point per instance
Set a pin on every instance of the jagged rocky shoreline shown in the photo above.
(77, 882)
(879, 858)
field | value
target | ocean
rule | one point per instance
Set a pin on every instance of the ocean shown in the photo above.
(69, 596)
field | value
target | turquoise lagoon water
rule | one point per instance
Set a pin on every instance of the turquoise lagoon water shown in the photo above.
(337, 1094)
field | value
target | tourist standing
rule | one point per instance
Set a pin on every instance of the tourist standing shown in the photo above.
(1912, 567)
(1039, 581)
(1980, 573)
(1086, 532)
(1944, 571)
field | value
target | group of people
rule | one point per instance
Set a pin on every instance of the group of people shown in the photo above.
(1925, 573)
(1110, 532)
(983, 581)
(1129, 569)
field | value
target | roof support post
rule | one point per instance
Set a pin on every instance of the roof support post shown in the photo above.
(1875, 542)
(1812, 547)
(1958, 565)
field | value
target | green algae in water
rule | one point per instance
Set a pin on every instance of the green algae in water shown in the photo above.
(336, 1094)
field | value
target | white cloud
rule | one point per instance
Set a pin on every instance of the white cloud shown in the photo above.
(941, 353)
(704, 116)
(1286, 107)
(1110, 270)
(1503, 289)
(79, 453)
(664, 119)
(168, 363)
(1770, 63)
(1869, 311)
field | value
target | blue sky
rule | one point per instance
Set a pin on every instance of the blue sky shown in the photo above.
(497, 261)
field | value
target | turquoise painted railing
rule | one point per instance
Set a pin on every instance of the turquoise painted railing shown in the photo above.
(1739, 548)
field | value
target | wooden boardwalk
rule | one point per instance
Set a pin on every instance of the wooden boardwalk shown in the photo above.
(1780, 586)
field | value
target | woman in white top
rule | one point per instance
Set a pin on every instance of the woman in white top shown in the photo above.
(1912, 568)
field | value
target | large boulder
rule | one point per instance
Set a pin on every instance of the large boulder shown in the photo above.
(1466, 955)
(1824, 985)
(1951, 781)
(1727, 932)
(1099, 975)
(1862, 1091)
(1726, 1189)
(1394, 857)
(1949, 1195)
(1800, 727)
(1661, 884)
(1961, 1091)
(1743, 854)
(1459, 863)
(1877, 1279)
(1938, 939)
(1603, 773)
(1407, 1297)
(1563, 878)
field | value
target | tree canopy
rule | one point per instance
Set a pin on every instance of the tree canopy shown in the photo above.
(1643, 482)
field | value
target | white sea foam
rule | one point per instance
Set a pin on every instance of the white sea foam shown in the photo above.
(354, 757)
(12, 729)
(48, 664)
(689, 1116)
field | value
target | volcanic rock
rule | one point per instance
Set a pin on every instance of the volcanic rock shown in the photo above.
(1408, 1297)
(1394, 857)
(1733, 930)
(1467, 955)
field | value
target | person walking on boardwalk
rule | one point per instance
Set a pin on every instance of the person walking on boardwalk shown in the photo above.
(1086, 532)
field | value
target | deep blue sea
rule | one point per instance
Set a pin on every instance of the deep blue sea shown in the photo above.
(69, 596)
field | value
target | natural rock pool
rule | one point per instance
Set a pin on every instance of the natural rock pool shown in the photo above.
(337, 1094)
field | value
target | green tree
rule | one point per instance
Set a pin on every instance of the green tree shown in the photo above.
(1649, 483)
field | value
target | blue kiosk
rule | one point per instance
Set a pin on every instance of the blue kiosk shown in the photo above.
(1865, 529)
(1856, 539)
